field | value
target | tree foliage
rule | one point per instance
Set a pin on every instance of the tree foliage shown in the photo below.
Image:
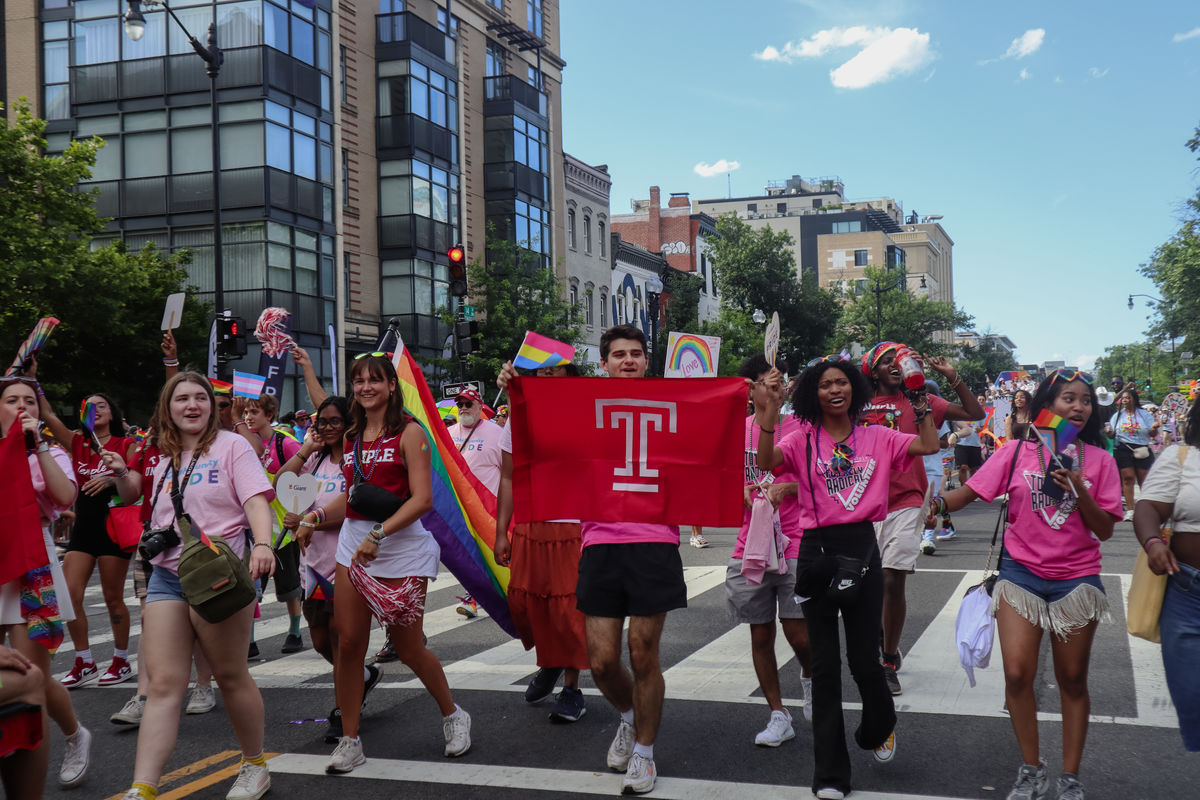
(681, 292)
(895, 314)
(519, 295)
(980, 365)
(109, 301)
(1142, 361)
(755, 269)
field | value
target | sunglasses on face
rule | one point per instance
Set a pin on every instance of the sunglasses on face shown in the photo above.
(1068, 374)
(224, 404)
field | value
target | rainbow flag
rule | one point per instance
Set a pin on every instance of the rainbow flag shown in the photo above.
(542, 351)
(463, 519)
(33, 342)
(247, 384)
(1054, 430)
(319, 588)
(1011, 375)
(220, 386)
(87, 415)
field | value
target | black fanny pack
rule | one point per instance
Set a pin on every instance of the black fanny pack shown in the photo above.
(373, 502)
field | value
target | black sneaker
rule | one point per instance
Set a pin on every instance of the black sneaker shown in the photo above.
(542, 685)
(889, 675)
(386, 654)
(253, 651)
(568, 706)
(292, 644)
(334, 732)
(371, 682)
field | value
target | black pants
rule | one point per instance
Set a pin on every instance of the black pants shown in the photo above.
(862, 622)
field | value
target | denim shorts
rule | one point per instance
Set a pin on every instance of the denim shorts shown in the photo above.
(1061, 607)
(1046, 589)
(164, 585)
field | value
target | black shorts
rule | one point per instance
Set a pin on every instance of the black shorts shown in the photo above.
(1123, 453)
(630, 580)
(317, 613)
(89, 534)
(968, 456)
(287, 573)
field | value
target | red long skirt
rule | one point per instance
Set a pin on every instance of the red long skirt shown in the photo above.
(541, 592)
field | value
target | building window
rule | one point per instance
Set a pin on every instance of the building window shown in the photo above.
(573, 299)
(533, 77)
(497, 4)
(343, 90)
(589, 293)
(603, 309)
(854, 226)
(56, 62)
(860, 287)
(423, 92)
(391, 6)
(781, 208)
(345, 178)
(441, 23)
(601, 232)
(751, 208)
(587, 234)
(414, 187)
(534, 19)
(571, 228)
(495, 60)
(860, 258)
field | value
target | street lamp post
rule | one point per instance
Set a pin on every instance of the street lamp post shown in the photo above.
(880, 288)
(1170, 332)
(135, 28)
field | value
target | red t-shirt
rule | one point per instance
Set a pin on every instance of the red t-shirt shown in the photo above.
(91, 511)
(144, 461)
(896, 412)
(382, 464)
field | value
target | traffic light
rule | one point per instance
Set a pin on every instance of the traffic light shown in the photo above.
(231, 338)
(458, 270)
(466, 336)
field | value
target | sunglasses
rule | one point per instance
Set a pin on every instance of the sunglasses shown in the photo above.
(373, 355)
(224, 404)
(21, 378)
(464, 403)
(333, 422)
(1068, 374)
(822, 359)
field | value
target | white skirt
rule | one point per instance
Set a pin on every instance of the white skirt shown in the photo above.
(409, 552)
(10, 593)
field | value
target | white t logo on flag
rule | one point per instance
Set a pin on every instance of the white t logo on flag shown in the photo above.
(637, 416)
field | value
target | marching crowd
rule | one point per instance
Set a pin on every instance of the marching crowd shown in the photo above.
(846, 479)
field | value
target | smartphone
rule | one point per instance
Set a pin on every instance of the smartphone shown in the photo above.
(1049, 487)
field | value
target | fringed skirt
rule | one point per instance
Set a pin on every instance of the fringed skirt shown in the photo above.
(541, 592)
(1062, 617)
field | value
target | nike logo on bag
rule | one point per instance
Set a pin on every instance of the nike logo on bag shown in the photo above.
(845, 584)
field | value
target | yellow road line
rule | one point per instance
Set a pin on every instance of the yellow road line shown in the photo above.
(208, 780)
(191, 769)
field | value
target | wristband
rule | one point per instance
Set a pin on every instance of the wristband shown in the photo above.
(768, 431)
(320, 512)
(261, 544)
(306, 524)
(954, 384)
(43, 448)
(174, 362)
(1146, 544)
(239, 422)
(122, 473)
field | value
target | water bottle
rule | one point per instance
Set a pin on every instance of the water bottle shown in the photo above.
(910, 369)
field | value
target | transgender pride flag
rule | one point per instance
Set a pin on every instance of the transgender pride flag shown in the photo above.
(247, 384)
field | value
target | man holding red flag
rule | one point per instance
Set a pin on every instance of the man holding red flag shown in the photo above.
(629, 569)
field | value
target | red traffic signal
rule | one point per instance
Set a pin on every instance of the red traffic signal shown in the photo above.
(458, 270)
(456, 254)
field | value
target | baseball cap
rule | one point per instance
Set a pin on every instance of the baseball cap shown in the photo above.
(469, 395)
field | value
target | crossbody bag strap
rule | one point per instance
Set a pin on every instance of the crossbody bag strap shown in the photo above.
(177, 490)
(1002, 520)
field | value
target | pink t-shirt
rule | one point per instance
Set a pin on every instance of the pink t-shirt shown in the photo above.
(896, 412)
(49, 508)
(271, 447)
(322, 548)
(480, 448)
(789, 509)
(857, 494)
(222, 481)
(1047, 538)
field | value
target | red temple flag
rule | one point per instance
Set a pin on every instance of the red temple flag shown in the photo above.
(22, 547)
(628, 450)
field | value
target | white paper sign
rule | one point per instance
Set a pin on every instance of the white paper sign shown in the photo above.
(173, 313)
(296, 493)
(690, 355)
(771, 342)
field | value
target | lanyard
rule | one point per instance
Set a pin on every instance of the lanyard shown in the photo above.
(177, 490)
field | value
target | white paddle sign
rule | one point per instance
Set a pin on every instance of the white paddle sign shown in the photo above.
(296, 493)
(771, 340)
(173, 313)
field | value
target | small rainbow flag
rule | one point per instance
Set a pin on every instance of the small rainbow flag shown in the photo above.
(319, 588)
(33, 342)
(87, 415)
(1054, 430)
(247, 384)
(542, 351)
(220, 386)
(463, 519)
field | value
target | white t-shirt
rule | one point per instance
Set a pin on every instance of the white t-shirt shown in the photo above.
(480, 447)
(1167, 483)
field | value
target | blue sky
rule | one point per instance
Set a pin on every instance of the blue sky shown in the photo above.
(1049, 135)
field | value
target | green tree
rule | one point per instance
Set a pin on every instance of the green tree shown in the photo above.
(978, 365)
(755, 269)
(1142, 361)
(681, 295)
(514, 294)
(109, 301)
(895, 314)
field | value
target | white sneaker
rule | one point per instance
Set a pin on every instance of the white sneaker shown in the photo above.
(701, 543)
(202, 700)
(621, 749)
(778, 730)
(346, 756)
(640, 776)
(806, 685)
(77, 754)
(457, 729)
(928, 546)
(1128, 516)
(131, 713)
(830, 793)
(252, 782)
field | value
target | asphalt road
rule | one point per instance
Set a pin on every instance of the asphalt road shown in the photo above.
(952, 741)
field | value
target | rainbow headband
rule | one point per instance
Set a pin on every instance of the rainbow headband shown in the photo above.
(872, 356)
(690, 343)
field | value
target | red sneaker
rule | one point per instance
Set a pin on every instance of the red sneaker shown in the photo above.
(81, 674)
(119, 671)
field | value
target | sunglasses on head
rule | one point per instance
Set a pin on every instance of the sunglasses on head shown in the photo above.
(1068, 374)
(822, 359)
(373, 355)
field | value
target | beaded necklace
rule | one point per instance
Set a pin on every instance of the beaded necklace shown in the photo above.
(358, 470)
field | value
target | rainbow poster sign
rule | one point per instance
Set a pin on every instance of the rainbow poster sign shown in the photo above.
(690, 355)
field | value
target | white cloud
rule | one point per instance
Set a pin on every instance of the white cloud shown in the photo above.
(706, 170)
(1024, 74)
(1058, 79)
(1086, 362)
(1096, 72)
(885, 53)
(1026, 44)
(1183, 37)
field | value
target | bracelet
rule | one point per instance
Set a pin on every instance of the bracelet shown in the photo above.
(43, 448)
(769, 432)
(306, 524)
(122, 473)
(174, 362)
(262, 544)
(239, 422)
(320, 512)
(1146, 544)
(954, 384)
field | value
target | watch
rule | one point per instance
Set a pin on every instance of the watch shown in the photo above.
(376, 533)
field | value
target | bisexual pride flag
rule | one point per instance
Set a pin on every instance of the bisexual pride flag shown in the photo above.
(247, 384)
(542, 351)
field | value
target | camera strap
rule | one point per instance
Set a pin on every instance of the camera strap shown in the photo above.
(179, 486)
